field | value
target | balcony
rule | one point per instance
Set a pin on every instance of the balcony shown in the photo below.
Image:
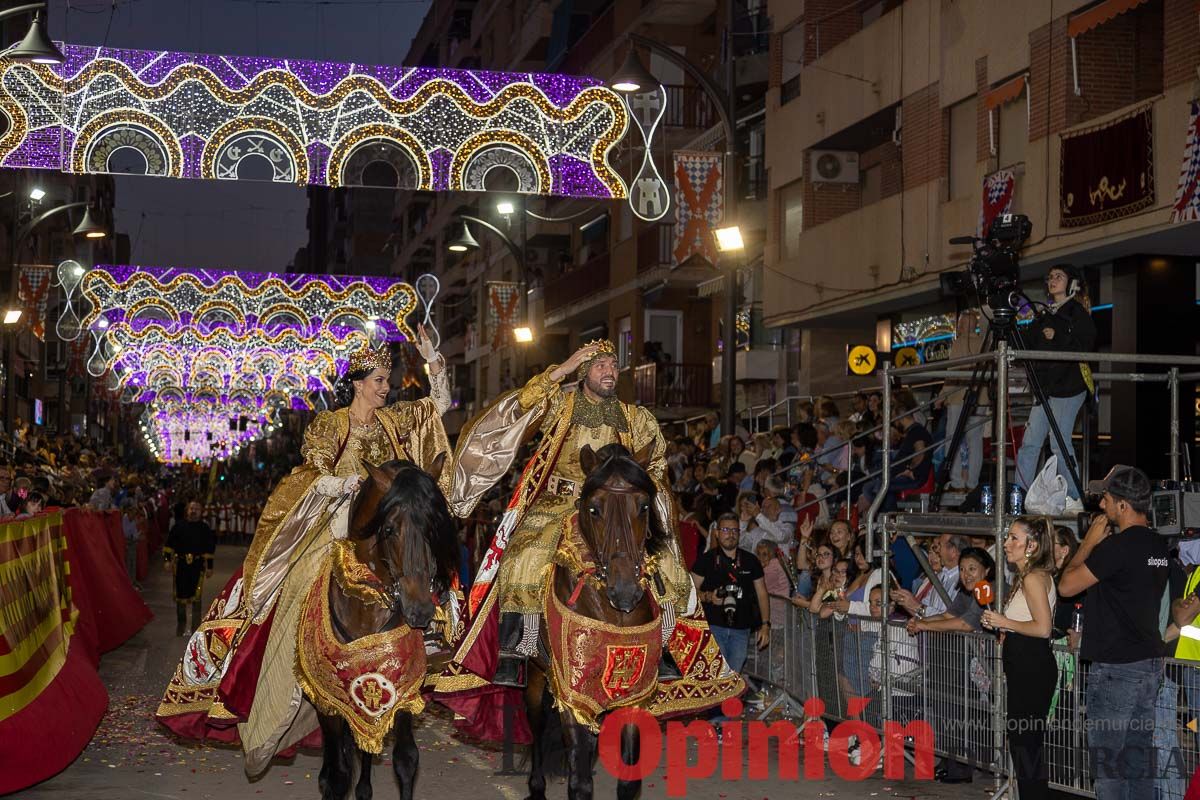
(590, 45)
(689, 107)
(672, 385)
(532, 37)
(654, 247)
(590, 278)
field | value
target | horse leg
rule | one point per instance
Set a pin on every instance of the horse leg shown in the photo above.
(405, 755)
(334, 779)
(630, 750)
(581, 750)
(363, 790)
(537, 705)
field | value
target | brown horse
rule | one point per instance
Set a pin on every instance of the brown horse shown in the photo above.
(402, 530)
(618, 524)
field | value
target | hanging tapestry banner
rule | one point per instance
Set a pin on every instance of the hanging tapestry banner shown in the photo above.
(699, 202)
(33, 289)
(1107, 172)
(997, 198)
(1187, 196)
(504, 302)
(310, 122)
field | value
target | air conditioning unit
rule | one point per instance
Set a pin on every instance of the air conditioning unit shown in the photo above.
(833, 166)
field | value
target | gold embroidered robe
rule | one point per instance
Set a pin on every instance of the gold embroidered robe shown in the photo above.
(293, 537)
(568, 420)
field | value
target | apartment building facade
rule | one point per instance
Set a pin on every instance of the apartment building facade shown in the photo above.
(899, 112)
(580, 269)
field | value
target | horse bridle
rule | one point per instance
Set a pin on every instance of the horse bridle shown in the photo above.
(392, 593)
(625, 539)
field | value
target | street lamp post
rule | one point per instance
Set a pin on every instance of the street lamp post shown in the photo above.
(87, 228)
(629, 81)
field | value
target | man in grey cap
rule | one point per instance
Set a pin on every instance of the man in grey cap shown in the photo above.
(1123, 566)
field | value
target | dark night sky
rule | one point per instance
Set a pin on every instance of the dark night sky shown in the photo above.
(246, 225)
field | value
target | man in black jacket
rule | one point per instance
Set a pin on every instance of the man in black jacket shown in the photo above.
(1066, 327)
(189, 555)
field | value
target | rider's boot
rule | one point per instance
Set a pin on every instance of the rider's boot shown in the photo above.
(512, 667)
(668, 670)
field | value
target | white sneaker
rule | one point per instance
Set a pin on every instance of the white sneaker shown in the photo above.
(853, 751)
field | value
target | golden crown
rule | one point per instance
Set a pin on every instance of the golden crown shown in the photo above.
(369, 359)
(604, 348)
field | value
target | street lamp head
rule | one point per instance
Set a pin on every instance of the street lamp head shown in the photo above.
(12, 316)
(464, 241)
(36, 46)
(36, 194)
(89, 228)
(524, 335)
(504, 208)
(729, 239)
(632, 76)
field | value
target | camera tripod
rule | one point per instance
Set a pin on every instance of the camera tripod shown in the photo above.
(1002, 327)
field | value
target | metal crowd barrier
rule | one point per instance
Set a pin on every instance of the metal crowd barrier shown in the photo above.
(953, 681)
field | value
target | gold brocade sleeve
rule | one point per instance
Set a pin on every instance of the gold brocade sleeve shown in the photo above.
(644, 430)
(488, 445)
(421, 422)
(541, 388)
(320, 446)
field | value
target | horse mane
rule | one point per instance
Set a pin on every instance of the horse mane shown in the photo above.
(615, 461)
(416, 495)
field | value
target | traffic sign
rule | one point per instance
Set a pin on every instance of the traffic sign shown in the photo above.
(907, 357)
(860, 359)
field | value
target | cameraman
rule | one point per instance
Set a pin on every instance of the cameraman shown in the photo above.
(731, 586)
(1066, 326)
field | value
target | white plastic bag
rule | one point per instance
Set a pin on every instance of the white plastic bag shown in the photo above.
(1047, 495)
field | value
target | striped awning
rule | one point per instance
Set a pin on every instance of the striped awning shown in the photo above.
(1098, 15)
(1009, 90)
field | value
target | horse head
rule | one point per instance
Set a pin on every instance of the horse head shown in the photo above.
(402, 521)
(617, 519)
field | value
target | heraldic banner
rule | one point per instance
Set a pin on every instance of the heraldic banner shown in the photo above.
(504, 303)
(67, 599)
(997, 198)
(1107, 172)
(33, 289)
(699, 203)
(1187, 196)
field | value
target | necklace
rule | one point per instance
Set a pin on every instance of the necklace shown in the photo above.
(363, 423)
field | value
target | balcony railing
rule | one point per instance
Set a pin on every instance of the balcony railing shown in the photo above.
(673, 385)
(654, 247)
(689, 107)
(578, 283)
(595, 39)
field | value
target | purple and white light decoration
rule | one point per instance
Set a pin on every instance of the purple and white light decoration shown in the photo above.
(310, 122)
(264, 333)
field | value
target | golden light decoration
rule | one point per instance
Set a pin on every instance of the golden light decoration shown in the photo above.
(209, 113)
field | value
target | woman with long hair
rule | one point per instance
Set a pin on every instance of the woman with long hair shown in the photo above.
(247, 677)
(1029, 666)
(1066, 326)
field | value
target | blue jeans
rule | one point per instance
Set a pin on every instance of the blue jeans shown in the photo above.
(734, 642)
(1037, 429)
(1120, 728)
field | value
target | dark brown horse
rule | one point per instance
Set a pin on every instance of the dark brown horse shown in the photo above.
(618, 523)
(403, 532)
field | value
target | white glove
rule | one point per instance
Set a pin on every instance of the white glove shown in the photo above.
(425, 345)
(332, 486)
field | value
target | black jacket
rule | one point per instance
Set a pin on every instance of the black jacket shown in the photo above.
(1074, 331)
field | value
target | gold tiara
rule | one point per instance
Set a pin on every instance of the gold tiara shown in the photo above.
(605, 348)
(368, 359)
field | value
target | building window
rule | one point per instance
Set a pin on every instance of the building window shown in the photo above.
(872, 184)
(792, 57)
(593, 238)
(964, 181)
(791, 204)
(1012, 131)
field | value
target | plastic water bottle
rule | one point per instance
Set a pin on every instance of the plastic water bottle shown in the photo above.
(1077, 618)
(986, 501)
(1016, 500)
